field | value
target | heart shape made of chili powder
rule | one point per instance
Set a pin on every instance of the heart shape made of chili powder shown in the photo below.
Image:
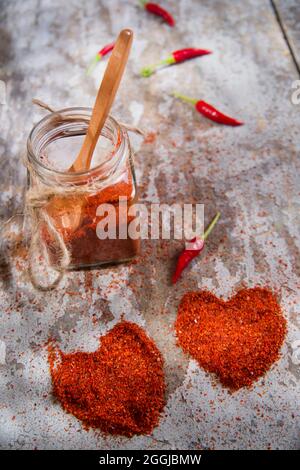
(119, 388)
(238, 340)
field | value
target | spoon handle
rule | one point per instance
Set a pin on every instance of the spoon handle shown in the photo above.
(105, 97)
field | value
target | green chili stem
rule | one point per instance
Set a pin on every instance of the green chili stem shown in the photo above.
(185, 98)
(147, 71)
(211, 225)
(143, 2)
(167, 61)
(93, 64)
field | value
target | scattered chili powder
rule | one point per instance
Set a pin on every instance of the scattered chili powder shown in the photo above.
(150, 138)
(238, 340)
(119, 388)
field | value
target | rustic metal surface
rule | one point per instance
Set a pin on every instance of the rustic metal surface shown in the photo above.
(289, 17)
(250, 173)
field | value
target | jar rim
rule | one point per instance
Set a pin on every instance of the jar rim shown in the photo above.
(36, 161)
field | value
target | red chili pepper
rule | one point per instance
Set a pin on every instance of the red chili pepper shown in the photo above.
(158, 11)
(195, 247)
(105, 50)
(177, 56)
(210, 112)
(184, 54)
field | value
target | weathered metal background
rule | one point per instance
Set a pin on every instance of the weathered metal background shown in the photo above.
(288, 17)
(251, 174)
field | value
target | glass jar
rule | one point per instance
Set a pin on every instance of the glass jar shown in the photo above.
(68, 207)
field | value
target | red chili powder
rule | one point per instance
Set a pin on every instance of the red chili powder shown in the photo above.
(119, 388)
(150, 138)
(238, 340)
(75, 218)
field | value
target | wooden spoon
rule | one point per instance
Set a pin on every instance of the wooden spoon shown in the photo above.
(105, 97)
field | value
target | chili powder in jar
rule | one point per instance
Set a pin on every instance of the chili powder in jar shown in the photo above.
(70, 206)
(238, 340)
(119, 388)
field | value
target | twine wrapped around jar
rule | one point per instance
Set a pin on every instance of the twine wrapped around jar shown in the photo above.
(36, 216)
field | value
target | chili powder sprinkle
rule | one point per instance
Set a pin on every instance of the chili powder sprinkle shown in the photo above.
(119, 388)
(238, 340)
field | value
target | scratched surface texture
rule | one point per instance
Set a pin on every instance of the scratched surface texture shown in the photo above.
(289, 15)
(251, 174)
